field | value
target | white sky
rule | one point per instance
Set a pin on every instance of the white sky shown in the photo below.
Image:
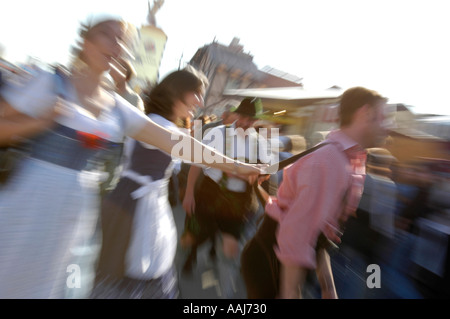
(398, 47)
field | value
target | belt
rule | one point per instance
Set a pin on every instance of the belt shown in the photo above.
(64, 147)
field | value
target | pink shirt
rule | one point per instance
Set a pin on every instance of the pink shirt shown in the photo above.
(317, 191)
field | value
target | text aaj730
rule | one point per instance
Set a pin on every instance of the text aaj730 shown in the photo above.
(240, 308)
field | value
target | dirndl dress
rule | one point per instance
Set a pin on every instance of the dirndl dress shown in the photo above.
(49, 207)
(139, 231)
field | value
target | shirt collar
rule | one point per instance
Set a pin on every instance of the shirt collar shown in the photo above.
(349, 146)
(344, 140)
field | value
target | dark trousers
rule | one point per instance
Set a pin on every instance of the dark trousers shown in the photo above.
(259, 264)
(218, 209)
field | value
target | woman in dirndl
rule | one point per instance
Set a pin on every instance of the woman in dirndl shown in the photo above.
(139, 232)
(70, 123)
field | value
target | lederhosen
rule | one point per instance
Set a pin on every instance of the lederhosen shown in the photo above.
(220, 209)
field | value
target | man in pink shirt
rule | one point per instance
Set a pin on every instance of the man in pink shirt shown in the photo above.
(320, 191)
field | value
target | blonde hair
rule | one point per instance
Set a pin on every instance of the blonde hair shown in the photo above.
(77, 62)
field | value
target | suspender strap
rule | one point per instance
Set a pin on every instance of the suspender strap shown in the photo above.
(294, 158)
(281, 165)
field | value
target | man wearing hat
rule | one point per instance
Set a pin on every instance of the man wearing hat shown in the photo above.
(227, 117)
(223, 202)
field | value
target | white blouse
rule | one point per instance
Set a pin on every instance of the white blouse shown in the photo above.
(38, 95)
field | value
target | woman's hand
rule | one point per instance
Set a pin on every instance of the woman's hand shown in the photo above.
(247, 169)
(249, 172)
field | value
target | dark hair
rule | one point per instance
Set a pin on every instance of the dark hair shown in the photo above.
(173, 87)
(354, 98)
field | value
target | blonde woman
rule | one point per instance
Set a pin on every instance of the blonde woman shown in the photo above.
(50, 205)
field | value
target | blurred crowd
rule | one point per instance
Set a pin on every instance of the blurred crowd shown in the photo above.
(402, 222)
(403, 225)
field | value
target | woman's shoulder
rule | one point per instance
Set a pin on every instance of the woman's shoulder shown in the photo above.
(36, 78)
(32, 94)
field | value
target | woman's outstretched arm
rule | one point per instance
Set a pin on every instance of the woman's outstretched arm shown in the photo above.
(191, 150)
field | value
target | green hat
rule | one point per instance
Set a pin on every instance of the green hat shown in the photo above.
(232, 109)
(251, 107)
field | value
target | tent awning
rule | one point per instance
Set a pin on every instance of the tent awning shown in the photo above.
(285, 93)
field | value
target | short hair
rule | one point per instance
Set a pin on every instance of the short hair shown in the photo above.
(353, 99)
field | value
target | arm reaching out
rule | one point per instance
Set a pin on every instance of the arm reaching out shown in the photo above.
(168, 141)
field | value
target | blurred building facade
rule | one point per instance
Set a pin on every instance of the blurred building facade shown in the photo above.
(229, 67)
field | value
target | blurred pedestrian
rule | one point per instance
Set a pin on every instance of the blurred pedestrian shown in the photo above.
(227, 117)
(223, 202)
(318, 193)
(376, 210)
(50, 205)
(191, 223)
(371, 230)
(414, 182)
(431, 245)
(139, 233)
